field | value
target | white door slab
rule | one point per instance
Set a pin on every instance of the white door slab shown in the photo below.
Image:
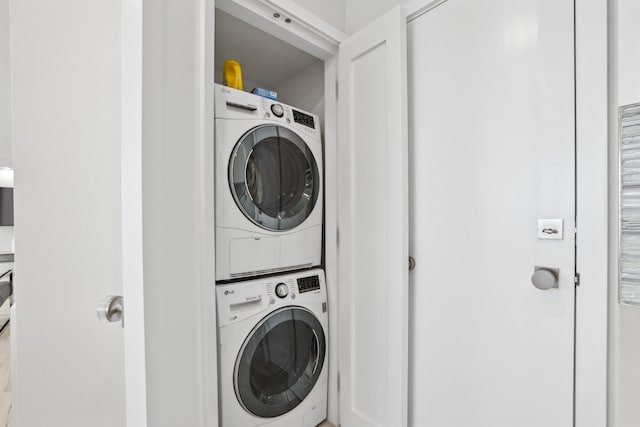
(84, 153)
(69, 367)
(492, 152)
(373, 225)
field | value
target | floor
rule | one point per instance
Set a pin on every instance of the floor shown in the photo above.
(5, 383)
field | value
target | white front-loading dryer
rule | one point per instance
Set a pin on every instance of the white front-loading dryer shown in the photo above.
(272, 341)
(268, 186)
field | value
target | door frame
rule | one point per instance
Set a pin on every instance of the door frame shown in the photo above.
(131, 213)
(169, 289)
(592, 196)
(319, 39)
(592, 137)
(591, 80)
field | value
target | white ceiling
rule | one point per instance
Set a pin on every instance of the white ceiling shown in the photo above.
(264, 58)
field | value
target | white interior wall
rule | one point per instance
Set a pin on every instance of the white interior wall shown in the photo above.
(248, 85)
(5, 87)
(6, 240)
(5, 309)
(625, 332)
(359, 13)
(629, 369)
(6, 232)
(332, 11)
(268, 62)
(6, 175)
(6, 243)
(6, 155)
(305, 90)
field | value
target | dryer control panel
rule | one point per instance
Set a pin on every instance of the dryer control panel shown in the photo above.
(235, 104)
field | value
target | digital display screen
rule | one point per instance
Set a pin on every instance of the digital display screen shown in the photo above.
(308, 284)
(303, 119)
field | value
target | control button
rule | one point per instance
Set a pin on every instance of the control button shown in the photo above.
(277, 110)
(282, 290)
(272, 301)
(293, 296)
(267, 115)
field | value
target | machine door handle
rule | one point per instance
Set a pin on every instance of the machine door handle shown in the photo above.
(412, 263)
(545, 278)
(248, 107)
(111, 309)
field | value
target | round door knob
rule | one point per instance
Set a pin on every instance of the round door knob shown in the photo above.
(110, 309)
(277, 110)
(282, 290)
(544, 278)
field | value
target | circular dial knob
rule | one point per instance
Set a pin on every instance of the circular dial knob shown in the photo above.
(282, 290)
(277, 110)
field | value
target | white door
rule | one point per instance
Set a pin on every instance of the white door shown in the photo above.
(492, 151)
(68, 367)
(373, 225)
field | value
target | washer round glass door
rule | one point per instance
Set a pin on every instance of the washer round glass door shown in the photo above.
(279, 362)
(274, 177)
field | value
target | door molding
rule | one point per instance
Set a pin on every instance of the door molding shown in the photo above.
(592, 214)
(304, 30)
(131, 214)
(417, 8)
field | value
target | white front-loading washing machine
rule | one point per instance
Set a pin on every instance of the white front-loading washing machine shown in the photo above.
(268, 186)
(272, 340)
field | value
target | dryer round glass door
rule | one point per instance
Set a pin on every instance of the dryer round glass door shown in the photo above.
(274, 178)
(279, 362)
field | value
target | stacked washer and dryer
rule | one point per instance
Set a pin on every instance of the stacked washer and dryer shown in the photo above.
(271, 297)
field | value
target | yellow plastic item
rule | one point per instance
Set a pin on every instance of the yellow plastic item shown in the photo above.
(232, 74)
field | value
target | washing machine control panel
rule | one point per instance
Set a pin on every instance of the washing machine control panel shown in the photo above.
(240, 300)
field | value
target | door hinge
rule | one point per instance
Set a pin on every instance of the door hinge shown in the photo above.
(576, 279)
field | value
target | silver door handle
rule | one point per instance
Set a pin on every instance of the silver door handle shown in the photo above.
(545, 278)
(412, 263)
(111, 309)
